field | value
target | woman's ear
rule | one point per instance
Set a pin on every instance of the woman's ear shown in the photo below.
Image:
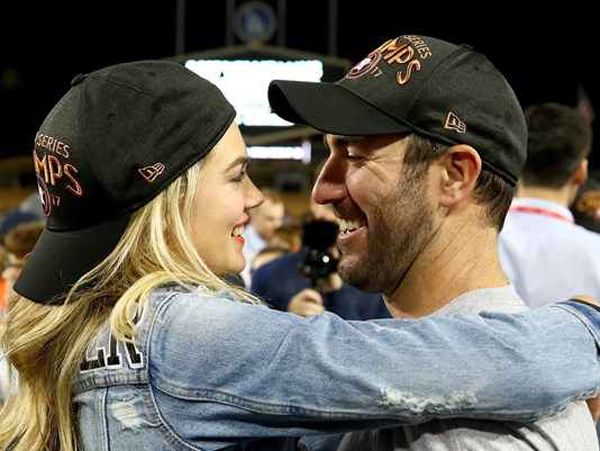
(460, 167)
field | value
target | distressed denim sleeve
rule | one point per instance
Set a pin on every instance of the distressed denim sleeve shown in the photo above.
(589, 316)
(257, 372)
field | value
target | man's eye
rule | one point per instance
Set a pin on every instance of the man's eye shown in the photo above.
(354, 157)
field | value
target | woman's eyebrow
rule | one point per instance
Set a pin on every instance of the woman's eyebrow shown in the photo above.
(238, 161)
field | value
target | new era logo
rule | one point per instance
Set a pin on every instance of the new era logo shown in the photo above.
(453, 122)
(150, 173)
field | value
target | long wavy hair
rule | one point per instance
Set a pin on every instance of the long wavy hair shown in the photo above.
(45, 344)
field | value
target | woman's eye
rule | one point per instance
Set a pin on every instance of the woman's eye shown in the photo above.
(240, 177)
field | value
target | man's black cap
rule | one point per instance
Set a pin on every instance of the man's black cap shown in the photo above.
(422, 85)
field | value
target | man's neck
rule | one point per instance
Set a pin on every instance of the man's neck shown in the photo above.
(563, 196)
(455, 262)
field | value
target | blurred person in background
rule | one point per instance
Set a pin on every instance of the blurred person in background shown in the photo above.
(543, 251)
(17, 243)
(268, 254)
(265, 220)
(288, 236)
(15, 217)
(586, 208)
(14, 248)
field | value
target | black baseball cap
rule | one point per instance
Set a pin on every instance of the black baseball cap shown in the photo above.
(421, 85)
(112, 143)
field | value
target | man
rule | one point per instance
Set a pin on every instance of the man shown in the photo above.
(264, 222)
(544, 253)
(427, 142)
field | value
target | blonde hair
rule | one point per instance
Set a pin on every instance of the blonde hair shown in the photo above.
(46, 344)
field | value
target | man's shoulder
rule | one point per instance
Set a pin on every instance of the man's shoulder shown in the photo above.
(389, 439)
(493, 299)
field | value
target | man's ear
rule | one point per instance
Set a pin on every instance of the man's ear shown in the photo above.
(460, 167)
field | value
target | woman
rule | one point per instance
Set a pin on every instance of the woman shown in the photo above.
(125, 336)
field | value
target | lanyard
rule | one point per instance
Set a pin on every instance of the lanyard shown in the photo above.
(540, 211)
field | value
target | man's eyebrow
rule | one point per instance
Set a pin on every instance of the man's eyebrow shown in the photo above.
(238, 161)
(341, 140)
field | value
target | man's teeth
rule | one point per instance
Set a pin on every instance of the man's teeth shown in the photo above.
(349, 226)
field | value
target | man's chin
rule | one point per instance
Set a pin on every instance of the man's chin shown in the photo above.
(354, 271)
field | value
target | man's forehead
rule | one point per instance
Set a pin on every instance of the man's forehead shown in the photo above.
(367, 144)
(354, 139)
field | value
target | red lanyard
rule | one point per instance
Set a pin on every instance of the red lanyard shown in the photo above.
(540, 211)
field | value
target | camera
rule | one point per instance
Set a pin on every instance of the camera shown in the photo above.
(317, 239)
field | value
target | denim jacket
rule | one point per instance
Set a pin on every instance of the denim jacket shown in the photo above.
(207, 372)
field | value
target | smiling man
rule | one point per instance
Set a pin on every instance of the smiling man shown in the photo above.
(427, 141)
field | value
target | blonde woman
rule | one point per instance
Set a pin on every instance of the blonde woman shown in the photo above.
(125, 336)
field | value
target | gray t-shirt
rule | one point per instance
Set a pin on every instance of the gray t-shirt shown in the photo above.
(570, 430)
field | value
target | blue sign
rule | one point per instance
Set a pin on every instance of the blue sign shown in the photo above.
(254, 21)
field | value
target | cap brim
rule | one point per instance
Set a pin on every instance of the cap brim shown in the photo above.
(59, 259)
(330, 108)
